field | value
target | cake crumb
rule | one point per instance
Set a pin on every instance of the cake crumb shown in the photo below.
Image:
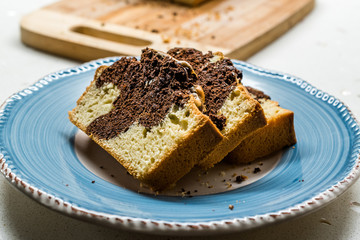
(323, 220)
(231, 207)
(256, 170)
(217, 16)
(230, 8)
(241, 178)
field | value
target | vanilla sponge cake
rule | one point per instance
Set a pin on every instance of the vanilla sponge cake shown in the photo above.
(146, 115)
(277, 134)
(227, 102)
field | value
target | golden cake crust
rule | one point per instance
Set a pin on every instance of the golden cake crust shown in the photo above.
(252, 121)
(277, 134)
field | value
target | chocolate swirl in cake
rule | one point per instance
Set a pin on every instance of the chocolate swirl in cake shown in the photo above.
(217, 79)
(148, 89)
(257, 94)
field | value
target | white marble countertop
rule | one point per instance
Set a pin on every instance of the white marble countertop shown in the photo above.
(324, 49)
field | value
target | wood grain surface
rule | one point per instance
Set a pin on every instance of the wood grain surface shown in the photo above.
(90, 29)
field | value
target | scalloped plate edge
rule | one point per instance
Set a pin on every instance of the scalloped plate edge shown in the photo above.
(175, 228)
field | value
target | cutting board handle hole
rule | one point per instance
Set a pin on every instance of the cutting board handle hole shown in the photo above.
(114, 37)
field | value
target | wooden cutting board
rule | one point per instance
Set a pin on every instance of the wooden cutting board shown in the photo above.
(90, 29)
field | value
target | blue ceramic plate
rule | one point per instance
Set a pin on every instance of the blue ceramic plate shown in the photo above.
(37, 156)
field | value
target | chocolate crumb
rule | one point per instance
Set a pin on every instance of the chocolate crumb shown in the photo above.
(231, 207)
(93, 181)
(112, 175)
(213, 37)
(102, 167)
(175, 13)
(155, 31)
(240, 179)
(256, 170)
